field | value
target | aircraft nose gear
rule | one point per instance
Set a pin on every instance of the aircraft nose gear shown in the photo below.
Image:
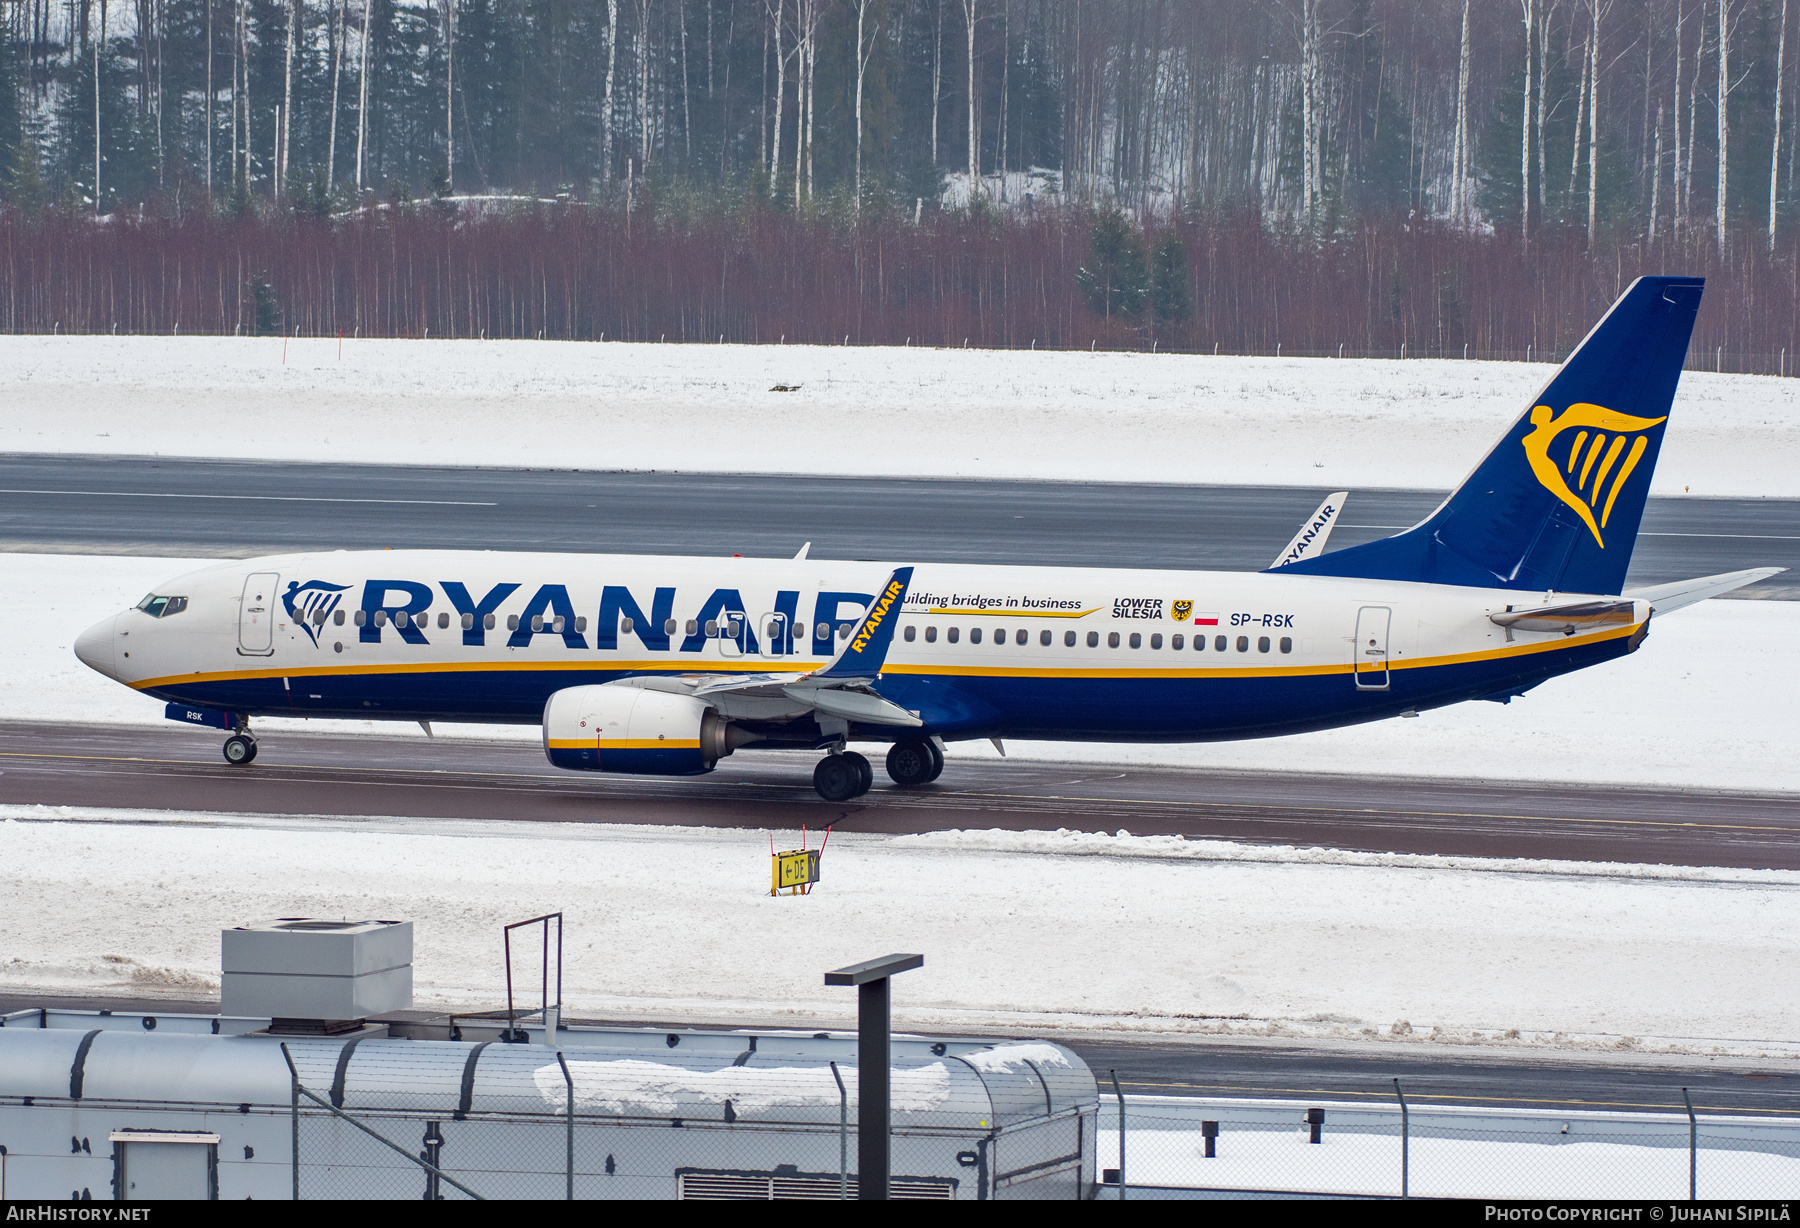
(838, 778)
(240, 749)
(912, 764)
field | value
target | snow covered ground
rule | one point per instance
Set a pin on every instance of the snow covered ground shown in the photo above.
(866, 410)
(1020, 931)
(1707, 702)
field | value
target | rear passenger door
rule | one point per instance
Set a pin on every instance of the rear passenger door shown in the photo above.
(1371, 647)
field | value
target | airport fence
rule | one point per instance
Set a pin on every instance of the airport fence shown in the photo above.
(1178, 1147)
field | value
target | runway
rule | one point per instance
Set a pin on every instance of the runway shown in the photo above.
(178, 768)
(1200, 1066)
(132, 505)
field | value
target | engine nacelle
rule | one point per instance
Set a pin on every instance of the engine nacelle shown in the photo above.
(612, 728)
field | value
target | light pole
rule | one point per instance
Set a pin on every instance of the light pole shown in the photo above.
(872, 1118)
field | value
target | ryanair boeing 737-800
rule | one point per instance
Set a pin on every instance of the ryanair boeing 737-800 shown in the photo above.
(665, 665)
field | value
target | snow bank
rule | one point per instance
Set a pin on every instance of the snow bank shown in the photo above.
(866, 410)
(1707, 702)
(678, 923)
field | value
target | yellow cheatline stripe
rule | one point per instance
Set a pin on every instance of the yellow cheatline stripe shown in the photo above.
(1264, 671)
(625, 743)
(936, 670)
(1008, 613)
(757, 665)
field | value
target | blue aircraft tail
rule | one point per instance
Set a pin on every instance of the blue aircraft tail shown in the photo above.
(1556, 504)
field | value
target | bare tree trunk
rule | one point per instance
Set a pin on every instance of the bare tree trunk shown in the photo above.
(362, 95)
(1775, 153)
(1724, 116)
(1530, 7)
(802, 23)
(606, 102)
(643, 104)
(240, 90)
(937, 80)
(1538, 115)
(337, 69)
(287, 100)
(96, 45)
(687, 110)
(1655, 178)
(1581, 102)
(449, 96)
(1593, 120)
(162, 22)
(969, 14)
(211, 99)
(1687, 170)
(1005, 86)
(863, 51)
(1675, 124)
(1459, 188)
(1309, 107)
(780, 96)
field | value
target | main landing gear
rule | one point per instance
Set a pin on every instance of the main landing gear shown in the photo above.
(846, 775)
(842, 776)
(912, 764)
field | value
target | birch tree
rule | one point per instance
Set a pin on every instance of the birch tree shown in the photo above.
(1675, 124)
(449, 95)
(362, 96)
(970, 16)
(287, 101)
(606, 101)
(1530, 10)
(865, 49)
(1599, 10)
(775, 20)
(1724, 118)
(337, 66)
(1459, 203)
(1775, 152)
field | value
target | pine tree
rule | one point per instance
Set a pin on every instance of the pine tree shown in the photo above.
(1169, 299)
(1115, 280)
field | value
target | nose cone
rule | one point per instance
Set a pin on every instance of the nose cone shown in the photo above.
(95, 647)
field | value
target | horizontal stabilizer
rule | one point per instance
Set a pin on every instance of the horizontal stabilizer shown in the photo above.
(1568, 619)
(1309, 542)
(1667, 598)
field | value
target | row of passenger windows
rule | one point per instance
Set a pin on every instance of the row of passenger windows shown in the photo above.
(1135, 639)
(555, 625)
(731, 628)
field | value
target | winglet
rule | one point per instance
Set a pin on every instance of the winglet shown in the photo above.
(866, 650)
(802, 552)
(1309, 542)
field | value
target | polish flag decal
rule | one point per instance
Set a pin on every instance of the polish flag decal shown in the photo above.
(1206, 620)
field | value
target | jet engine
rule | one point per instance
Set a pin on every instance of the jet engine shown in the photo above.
(614, 728)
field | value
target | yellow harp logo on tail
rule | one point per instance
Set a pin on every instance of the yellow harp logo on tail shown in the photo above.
(1604, 445)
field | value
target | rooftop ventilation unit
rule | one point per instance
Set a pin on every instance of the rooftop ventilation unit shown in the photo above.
(316, 977)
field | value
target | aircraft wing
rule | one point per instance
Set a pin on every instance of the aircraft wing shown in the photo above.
(1667, 598)
(1309, 542)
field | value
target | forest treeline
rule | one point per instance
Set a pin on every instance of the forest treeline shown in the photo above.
(1240, 174)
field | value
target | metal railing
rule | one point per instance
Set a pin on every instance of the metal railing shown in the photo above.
(1181, 1147)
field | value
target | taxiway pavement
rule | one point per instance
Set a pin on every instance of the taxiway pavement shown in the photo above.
(177, 768)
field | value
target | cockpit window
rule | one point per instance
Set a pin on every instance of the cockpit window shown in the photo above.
(162, 607)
